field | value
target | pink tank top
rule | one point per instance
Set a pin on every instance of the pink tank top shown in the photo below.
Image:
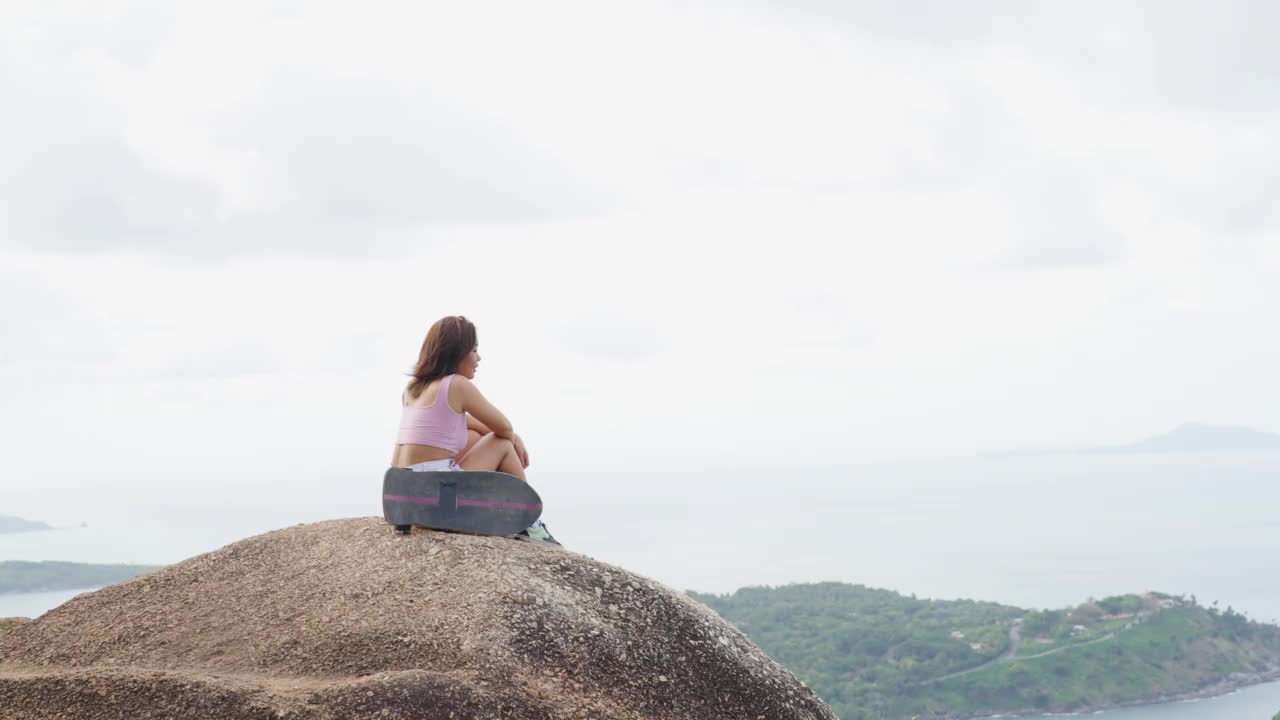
(436, 425)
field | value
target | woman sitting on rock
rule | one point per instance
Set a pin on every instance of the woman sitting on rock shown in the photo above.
(446, 423)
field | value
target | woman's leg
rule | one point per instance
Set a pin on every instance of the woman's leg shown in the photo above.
(493, 453)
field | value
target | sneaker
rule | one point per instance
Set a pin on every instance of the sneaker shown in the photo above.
(538, 533)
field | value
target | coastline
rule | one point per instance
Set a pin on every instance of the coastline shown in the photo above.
(26, 577)
(33, 605)
(49, 591)
(1232, 683)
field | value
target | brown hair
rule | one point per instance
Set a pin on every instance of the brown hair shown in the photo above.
(448, 341)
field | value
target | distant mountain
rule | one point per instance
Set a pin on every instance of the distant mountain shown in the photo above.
(1196, 437)
(11, 524)
(1190, 437)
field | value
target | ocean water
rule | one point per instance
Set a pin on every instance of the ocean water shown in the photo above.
(1032, 531)
(30, 605)
(1260, 702)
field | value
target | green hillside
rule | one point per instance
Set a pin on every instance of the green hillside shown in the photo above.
(877, 654)
(25, 577)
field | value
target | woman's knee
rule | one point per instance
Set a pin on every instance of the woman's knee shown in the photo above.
(504, 442)
(493, 446)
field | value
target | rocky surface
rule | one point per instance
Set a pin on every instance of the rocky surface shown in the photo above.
(346, 619)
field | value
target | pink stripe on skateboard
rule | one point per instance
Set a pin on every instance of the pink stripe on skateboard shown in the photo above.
(464, 502)
(412, 499)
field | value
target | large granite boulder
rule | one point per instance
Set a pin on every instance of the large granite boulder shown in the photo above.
(346, 619)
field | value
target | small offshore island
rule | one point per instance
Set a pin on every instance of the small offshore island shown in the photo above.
(878, 654)
(12, 524)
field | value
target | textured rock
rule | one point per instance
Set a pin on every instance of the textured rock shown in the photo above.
(346, 619)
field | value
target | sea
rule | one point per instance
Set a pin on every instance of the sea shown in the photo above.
(1033, 530)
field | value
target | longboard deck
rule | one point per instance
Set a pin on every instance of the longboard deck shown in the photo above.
(483, 503)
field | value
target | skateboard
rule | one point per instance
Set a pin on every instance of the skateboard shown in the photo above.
(481, 503)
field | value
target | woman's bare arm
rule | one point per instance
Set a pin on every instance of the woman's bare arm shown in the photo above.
(474, 424)
(474, 403)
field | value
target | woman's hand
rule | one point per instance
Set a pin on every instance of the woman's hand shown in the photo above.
(521, 452)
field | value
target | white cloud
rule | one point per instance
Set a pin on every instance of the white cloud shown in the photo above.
(673, 224)
(202, 150)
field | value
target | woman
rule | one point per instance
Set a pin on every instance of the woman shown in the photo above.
(446, 423)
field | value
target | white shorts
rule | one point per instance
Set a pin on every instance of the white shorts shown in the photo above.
(445, 465)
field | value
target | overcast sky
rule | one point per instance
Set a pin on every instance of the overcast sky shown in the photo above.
(718, 234)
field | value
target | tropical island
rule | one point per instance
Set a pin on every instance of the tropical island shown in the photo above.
(878, 654)
(27, 577)
(12, 524)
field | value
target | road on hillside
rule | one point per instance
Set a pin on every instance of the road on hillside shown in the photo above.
(1054, 651)
(1015, 641)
